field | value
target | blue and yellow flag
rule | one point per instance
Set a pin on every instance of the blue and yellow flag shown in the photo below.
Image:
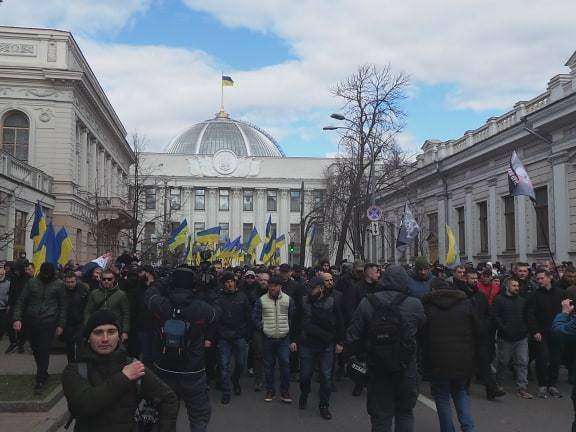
(253, 241)
(451, 255)
(38, 225)
(47, 250)
(279, 243)
(208, 236)
(63, 246)
(178, 236)
(227, 81)
(268, 249)
(268, 228)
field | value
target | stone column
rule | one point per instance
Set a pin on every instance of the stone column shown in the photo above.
(493, 246)
(211, 207)
(521, 228)
(469, 225)
(235, 213)
(260, 216)
(84, 163)
(108, 186)
(11, 224)
(442, 221)
(561, 244)
(283, 220)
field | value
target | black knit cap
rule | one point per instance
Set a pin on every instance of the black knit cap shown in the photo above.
(101, 317)
(226, 276)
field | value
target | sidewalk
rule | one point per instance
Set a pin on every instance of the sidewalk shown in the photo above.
(15, 364)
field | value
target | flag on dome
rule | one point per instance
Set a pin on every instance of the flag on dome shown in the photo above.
(227, 81)
(519, 182)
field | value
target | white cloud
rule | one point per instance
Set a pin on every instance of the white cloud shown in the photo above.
(494, 53)
(79, 16)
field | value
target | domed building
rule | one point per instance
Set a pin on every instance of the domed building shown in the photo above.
(231, 174)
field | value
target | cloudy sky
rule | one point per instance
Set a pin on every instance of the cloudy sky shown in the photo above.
(160, 60)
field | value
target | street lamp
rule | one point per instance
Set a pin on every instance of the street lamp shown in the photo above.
(329, 128)
(337, 116)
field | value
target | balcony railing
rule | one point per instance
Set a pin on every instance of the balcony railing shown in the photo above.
(22, 172)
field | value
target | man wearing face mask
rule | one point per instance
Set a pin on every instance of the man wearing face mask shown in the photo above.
(110, 297)
(321, 335)
(104, 388)
(41, 310)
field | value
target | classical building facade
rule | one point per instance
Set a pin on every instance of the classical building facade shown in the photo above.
(56, 121)
(463, 183)
(228, 173)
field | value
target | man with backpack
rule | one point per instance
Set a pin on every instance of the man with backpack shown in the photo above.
(179, 348)
(109, 297)
(385, 325)
(104, 388)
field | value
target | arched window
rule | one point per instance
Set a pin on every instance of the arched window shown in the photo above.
(15, 134)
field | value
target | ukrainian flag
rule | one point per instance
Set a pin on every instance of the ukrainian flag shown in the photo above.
(227, 81)
(268, 249)
(268, 228)
(47, 250)
(280, 242)
(209, 236)
(38, 226)
(253, 241)
(63, 246)
(178, 236)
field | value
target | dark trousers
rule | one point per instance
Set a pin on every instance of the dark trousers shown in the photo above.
(257, 355)
(192, 389)
(41, 337)
(4, 323)
(393, 397)
(146, 340)
(484, 361)
(308, 358)
(237, 348)
(548, 358)
(574, 398)
(277, 349)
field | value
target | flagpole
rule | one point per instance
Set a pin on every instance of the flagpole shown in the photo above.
(222, 92)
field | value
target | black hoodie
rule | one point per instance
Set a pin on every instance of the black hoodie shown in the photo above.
(450, 335)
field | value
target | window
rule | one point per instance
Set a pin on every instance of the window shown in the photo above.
(541, 217)
(271, 199)
(273, 230)
(433, 236)
(483, 224)
(224, 232)
(198, 226)
(318, 198)
(224, 200)
(295, 201)
(175, 195)
(199, 199)
(150, 193)
(149, 230)
(510, 223)
(248, 204)
(20, 233)
(15, 134)
(460, 218)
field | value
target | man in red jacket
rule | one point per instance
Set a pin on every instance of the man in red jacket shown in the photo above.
(487, 286)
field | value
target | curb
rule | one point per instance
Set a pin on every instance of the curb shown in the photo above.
(55, 419)
(33, 406)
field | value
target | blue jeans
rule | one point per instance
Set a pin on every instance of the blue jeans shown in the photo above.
(442, 390)
(226, 349)
(277, 349)
(308, 358)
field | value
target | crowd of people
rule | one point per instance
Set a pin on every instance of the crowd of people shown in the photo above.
(135, 332)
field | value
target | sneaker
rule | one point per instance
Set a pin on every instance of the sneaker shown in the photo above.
(269, 396)
(225, 399)
(542, 393)
(325, 413)
(39, 388)
(250, 372)
(285, 397)
(554, 392)
(10, 348)
(303, 401)
(524, 394)
(495, 393)
(257, 386)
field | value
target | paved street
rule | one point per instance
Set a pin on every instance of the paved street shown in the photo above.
(249, 413)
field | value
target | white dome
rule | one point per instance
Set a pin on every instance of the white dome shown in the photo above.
(224, 133)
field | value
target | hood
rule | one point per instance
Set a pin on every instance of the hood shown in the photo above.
(444, 298)
(395, 278)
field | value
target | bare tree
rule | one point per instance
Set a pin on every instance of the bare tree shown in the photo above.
(370, 161)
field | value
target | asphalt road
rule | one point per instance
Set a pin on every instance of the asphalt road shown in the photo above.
(249, 412)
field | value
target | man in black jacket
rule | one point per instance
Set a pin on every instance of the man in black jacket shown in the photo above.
(512, 335)
(75, 295)
(391, 396)
(541, 308)
(184, 370)
(450, 343)
(321, 335)
(41, 310)
(232, 333)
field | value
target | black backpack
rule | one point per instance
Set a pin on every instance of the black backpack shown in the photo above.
(391, 346)
(174, 336)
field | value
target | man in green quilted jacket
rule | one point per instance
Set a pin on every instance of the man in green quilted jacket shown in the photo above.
(110, 297)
